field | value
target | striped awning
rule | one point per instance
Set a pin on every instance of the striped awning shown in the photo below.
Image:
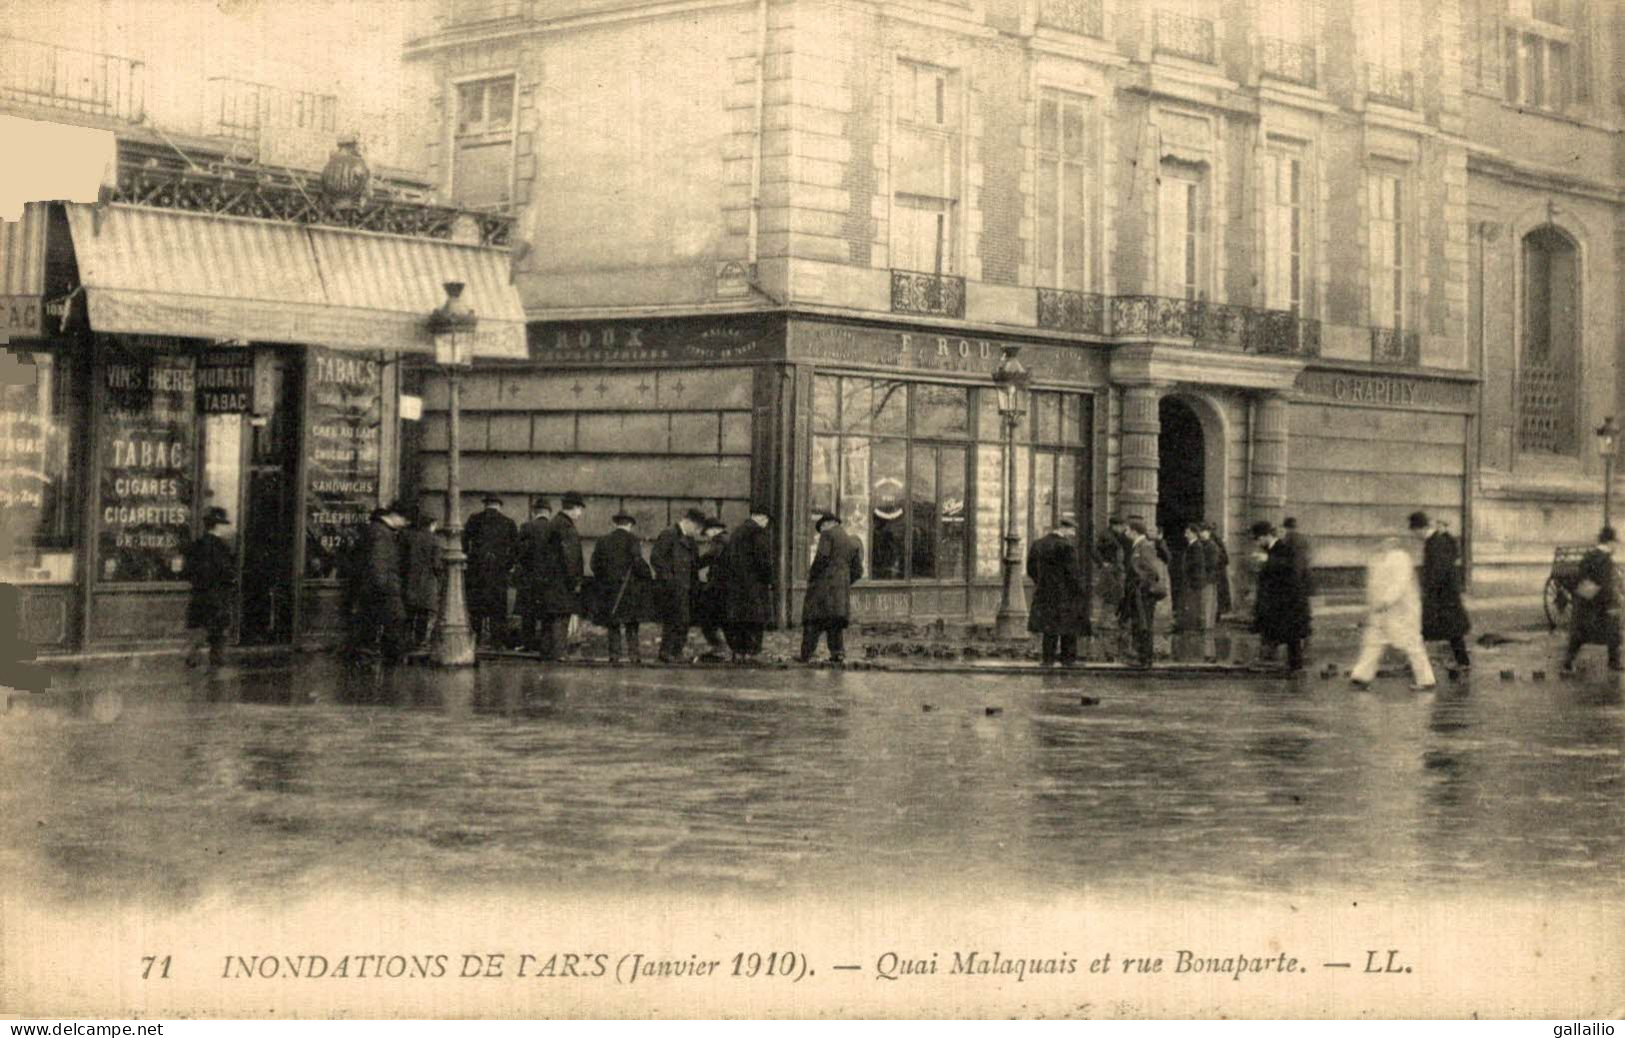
(22, 273)
(173, 272)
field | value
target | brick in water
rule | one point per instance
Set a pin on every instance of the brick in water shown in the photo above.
(995, 711)
(1506, 675)
(1539, 675)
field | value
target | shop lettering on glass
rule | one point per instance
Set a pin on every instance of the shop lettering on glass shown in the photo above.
(147, 478)
(225, 382)
(344, 449)
(22, 451)
(21, 315)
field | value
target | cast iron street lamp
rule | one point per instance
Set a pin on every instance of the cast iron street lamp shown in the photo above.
(452, 325)
(1607, 442)
(1010, 383)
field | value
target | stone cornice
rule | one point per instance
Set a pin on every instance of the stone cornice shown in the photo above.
(1157, 362)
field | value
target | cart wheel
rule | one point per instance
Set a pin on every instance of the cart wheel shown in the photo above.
(1556, 600)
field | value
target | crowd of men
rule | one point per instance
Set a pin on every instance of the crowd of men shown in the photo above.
(699, 574)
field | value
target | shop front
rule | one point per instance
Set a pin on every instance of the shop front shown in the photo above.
(196, 360)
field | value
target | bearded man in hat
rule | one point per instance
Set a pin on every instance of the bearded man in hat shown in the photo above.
(528, 571)
(559, 578)
(621, 587)
(747, 585)
(837, 565)
(491, 541)
(1060, 609)
(674, 559)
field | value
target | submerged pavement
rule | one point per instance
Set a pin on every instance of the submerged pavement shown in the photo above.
(144, 779)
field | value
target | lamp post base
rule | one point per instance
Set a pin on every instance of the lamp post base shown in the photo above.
(452, 644)
(1010, 624)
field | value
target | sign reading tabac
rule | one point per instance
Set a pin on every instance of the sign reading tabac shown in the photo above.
(1384, 390)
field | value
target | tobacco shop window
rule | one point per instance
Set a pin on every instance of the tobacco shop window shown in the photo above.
(148, 466)
(482, 171)
(39, 423)
(1548, 370)
(1063, 191)
(925, 169)
(892, 458)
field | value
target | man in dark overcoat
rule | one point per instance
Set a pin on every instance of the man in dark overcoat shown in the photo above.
(1444, 617)
(211, 568)
(491, 541)
(1218, 567)
(1281, 613)
(673, 559)
(527, 571)
(747, 585)
(1111, 558)
(1144, 586)
(1594, 612)
(837, 565)
(622, 587)
(421, 570)
(559, 578)
(1060, 609)
(708, 609)
(381, 601)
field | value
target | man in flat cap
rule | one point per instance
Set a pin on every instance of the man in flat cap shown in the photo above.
(560, 576)
(528, 571)
(622, 587)
(747, 585)
(491, 541)
(837, 565)
(673, 560)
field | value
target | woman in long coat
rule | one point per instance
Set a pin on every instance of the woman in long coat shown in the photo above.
(1060, 609)
(211, 569)
(1594, 618)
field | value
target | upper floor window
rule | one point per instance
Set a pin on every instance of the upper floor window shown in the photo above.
(1386, 224)
(925, 169)
(1185, 29)
(1548, 419)
(482, 170)
(1388, 43)
(1182, 230)
(1285, 235)
(1063, 191)
(1544, 54)
(1286, 48)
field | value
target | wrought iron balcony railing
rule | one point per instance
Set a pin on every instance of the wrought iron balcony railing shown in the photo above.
(1184, 36)
(76, 80)
(1288, 60)
(941, 295)
(1221, 326)
(243, 110)
(473, 12)
(281, 194)
(1391, 86)
(1395, 346)
(1077, 16)
(1065, 310)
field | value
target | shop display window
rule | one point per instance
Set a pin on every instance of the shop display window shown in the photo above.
(39, 429)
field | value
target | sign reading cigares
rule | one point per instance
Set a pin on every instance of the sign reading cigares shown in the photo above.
(345, 422)
(147, 465)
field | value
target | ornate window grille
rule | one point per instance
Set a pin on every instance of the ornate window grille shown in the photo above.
(470, 12)
(1065, 310)
(242, 110)
(941, 295)
(75, 80)
(1390, 86)
(1395, 346)
(1548, 418)
(1077, 16)
(1184, 36)
(1288, 60)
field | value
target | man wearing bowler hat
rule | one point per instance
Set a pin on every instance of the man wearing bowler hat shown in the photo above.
(674, 559)
(747, 585)
(528, 570)
(837, 565)
(491, 541)
(621, 588)
(559, 579)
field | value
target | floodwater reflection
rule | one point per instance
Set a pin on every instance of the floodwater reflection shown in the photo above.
(180, 784)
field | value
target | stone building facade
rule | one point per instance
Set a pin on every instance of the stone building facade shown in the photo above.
(1237, 240)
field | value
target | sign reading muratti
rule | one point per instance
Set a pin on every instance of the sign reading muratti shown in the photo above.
(1392, 391)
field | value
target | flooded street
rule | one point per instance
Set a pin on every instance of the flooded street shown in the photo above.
(174, 787)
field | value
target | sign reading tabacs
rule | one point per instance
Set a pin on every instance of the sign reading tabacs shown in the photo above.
(345, 408)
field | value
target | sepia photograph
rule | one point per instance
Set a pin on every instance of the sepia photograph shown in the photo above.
(812, 509)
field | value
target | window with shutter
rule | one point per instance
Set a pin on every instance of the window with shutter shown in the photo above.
(924, 168)
(1063, 192)
(1181, 232)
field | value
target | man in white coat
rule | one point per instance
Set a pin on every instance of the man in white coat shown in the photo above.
(1393, 617)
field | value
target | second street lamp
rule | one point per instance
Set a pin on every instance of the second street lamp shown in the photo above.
(1608, 446)
(452, 324)
(1010, 384)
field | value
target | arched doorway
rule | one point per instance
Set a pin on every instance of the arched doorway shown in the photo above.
(1181, 469)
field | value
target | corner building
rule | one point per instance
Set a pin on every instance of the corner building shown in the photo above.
(777, 249)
